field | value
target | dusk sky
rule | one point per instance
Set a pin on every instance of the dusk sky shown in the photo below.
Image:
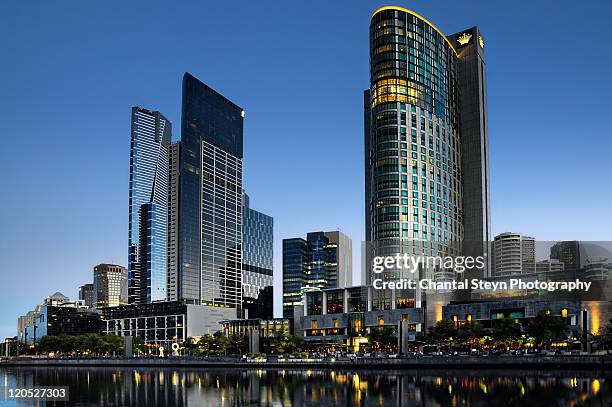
(70, 72)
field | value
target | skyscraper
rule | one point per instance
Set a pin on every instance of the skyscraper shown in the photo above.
(173, 219)
(257, 262)
(474, 136)
(86, 294)
(210, 198)
(148, 206)
(313, 264)
(424, 102)
(110, 286)
(567, 252)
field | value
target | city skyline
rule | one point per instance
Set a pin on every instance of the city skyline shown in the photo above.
(259, 146)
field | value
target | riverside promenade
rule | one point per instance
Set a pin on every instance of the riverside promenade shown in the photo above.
(603, 362)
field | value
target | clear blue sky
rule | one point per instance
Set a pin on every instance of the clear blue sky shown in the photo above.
(70, 72)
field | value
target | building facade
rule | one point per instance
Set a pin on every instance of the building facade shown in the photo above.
(312, 265)
(257, 263)
(66, 319)
(513, 253)
(420, 138)
(110, 286)
(337, 315)
(86, 294)
(567, 252)
(210, 198)
(57, 315)
(151, 135)
(173, 220)
(544, 266)
(164, 323)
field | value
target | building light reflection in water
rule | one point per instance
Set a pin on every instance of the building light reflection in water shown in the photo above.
(287, 387)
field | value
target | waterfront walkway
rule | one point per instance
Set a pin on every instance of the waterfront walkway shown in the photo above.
(421, 362)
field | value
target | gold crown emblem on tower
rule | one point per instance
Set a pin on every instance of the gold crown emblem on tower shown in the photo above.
(464, 38)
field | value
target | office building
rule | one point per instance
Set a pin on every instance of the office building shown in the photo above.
(257, 263)
(597, 269)
(567, 252)
(110, 286)
(164, 323)
(348, 314)
(57, 315)
(426, 153)
(344, 257)
(66, 319)
(210, 198)
(86, 294)
(148, 206)
(544, 266)
(312, 264)
(513, 253)
(173, 220)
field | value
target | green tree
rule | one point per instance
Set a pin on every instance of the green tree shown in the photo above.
(284, 342)
(91, 343)
(219, 344)
(506, 331)
(471, 334)
(547, 328)
(443, 332)
(205, 344)
(138, 345)
(112, 344)
(382, 338)
(237, 344)
(48, 344)
(190, 345)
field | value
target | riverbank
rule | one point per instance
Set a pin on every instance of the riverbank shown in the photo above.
(423, 362)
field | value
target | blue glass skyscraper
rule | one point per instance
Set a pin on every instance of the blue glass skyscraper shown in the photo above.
(257, 262)
(148, 206)
(319, 262)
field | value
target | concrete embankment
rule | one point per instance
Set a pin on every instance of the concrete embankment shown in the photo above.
(425, 362)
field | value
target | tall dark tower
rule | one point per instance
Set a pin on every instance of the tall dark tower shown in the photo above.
(418, 200)
(210, 198)
(474, 141)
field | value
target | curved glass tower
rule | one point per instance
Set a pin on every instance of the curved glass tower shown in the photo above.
(413, 155)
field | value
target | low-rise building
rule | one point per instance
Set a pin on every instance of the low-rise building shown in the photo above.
(68, 318)
(347, 315)
(163, 323)
(521, 310)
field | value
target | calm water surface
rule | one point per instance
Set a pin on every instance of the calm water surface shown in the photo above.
(289, 387)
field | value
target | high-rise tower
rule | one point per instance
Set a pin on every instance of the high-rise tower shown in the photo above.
(257, 262)
(414, 123)
(210, 198)
(319, 262)
(148, 206)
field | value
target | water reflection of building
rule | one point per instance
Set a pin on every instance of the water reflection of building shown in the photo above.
(299, 387)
